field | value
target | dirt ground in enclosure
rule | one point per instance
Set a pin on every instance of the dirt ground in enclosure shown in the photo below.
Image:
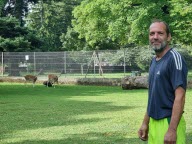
(79, 81)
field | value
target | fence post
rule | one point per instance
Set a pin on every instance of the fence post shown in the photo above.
(65, 59)
(2, 73)
(124, 62)
(34, 71)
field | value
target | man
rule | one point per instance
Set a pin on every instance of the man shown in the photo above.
(163, 122)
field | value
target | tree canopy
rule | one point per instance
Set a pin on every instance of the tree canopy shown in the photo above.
(16, 38)
(91, 24)
(128, 21)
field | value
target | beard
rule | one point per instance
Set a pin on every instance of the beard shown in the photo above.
(159, 48)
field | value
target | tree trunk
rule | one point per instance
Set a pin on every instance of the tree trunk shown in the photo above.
(134, 82)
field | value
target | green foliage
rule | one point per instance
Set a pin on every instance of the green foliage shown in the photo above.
(15, 38)
(144, 57)
(128, 21)
(18, 9)
(17, 44)
(50, 20)
(9, 27)
(181, 14)
(2, 5)
(81, 57)
(70, 41)
(99, 24)
(118, 20)
(135, 57)
(89, 23)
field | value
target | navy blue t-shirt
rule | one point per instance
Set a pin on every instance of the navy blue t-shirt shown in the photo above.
(165, 75)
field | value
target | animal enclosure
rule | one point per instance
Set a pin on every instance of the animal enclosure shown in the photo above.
(80, 63)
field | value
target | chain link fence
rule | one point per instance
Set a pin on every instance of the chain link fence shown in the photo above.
(110, 63)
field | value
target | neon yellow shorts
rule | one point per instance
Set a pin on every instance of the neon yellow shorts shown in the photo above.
(158, 129)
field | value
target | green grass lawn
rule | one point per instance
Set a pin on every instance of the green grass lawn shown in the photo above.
(71, 114)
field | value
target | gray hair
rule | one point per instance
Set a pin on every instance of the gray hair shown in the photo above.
(166, 25)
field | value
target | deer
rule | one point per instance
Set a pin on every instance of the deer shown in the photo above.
(32, 78)
(52, 79)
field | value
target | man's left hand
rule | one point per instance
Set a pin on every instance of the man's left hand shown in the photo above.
(170, 137)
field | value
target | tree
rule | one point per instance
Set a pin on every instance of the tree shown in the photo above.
(2, 5)
(70, 41)
(15, 38)
(16, 8)
(181, 15)
(51, 20)
(128, 21)
(144, 56)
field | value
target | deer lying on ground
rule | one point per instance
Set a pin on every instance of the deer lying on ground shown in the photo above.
(47, 84)
(52, 79)
(30, 78)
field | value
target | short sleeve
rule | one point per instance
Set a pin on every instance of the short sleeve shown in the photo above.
(178, 70)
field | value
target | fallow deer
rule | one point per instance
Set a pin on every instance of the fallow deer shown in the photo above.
(30, 78)
(47, 84)
(52, 79)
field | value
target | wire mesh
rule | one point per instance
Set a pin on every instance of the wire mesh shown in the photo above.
(67, 63)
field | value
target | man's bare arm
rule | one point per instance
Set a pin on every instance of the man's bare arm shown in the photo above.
(143, 131)
(177, 112)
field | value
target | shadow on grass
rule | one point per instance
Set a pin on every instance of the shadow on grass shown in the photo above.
(189, 138)
(89, 138)
(28, 108)
(34, 115)
(94, 138)
(40, 107)
(62, 90)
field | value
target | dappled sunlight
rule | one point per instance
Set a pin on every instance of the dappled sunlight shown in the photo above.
(74, 114)
(64, 132)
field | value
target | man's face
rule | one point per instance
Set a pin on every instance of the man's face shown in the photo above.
(158, 38)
